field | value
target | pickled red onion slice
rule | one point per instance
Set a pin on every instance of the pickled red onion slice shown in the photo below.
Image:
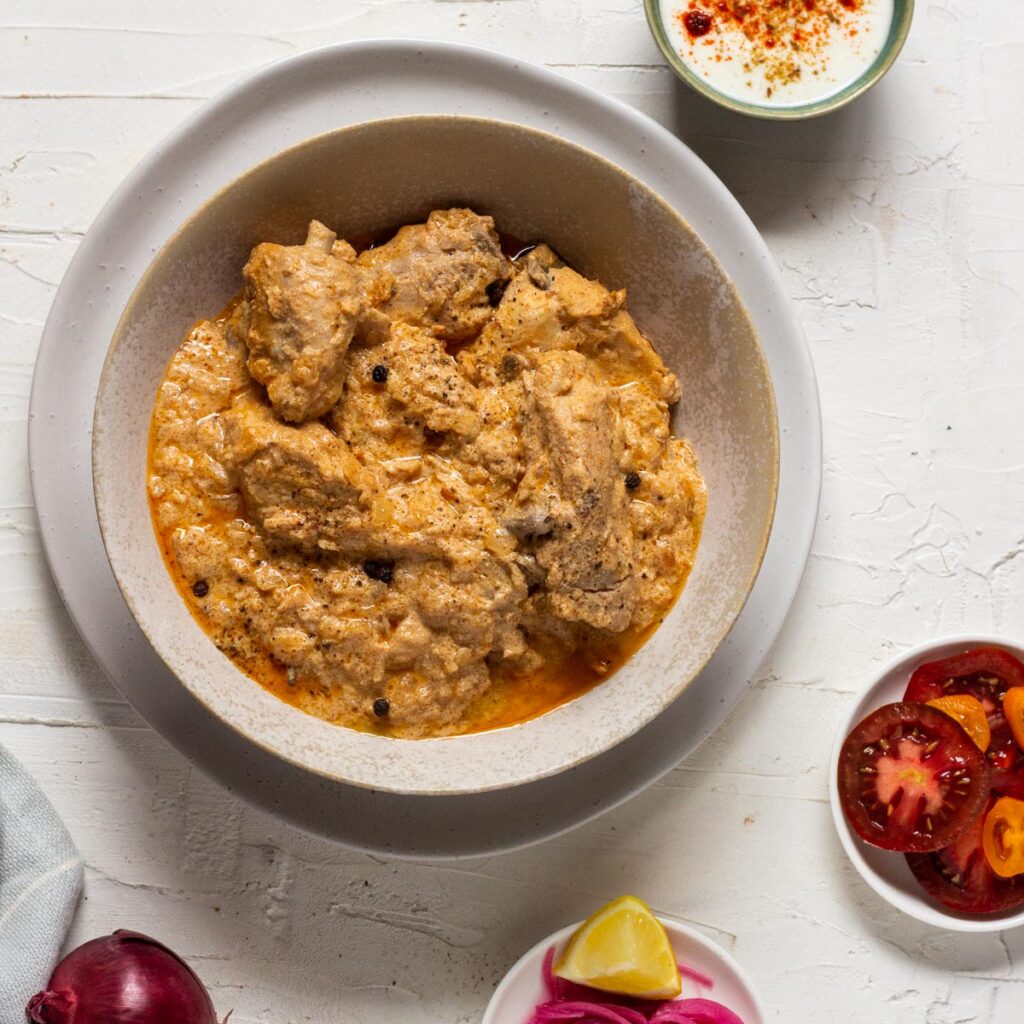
(694, 1011)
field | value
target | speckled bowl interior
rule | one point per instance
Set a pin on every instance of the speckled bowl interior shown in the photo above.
(363, 180)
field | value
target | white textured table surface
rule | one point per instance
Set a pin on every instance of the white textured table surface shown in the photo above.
(898, 226)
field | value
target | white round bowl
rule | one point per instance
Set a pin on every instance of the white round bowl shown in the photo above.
(362, 180)
(523, 987)
(885, 871)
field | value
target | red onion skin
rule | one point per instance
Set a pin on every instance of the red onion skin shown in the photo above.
(124, 978)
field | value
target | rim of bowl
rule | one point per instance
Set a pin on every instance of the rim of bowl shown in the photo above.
(534, 957)
(928, 910)
(899, 29)
(387, 784)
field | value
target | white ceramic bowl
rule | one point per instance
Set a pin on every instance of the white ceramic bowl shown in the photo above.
(884, 871)
(523, 987)
(362, 180)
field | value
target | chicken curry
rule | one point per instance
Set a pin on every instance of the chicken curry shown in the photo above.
(424, 488)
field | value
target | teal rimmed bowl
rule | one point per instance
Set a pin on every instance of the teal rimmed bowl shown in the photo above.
(903, 13)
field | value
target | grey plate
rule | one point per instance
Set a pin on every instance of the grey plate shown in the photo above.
(290, 101)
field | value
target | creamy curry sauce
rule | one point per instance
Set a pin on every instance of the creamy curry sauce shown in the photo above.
(423, 489)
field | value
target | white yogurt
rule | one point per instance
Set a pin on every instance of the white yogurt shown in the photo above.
(780, 54)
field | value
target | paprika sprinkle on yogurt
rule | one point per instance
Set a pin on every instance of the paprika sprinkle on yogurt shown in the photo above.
(778, 52)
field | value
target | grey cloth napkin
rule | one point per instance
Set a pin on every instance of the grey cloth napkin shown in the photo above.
(40, 879)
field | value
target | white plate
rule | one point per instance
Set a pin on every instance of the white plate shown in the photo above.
(523, 987)
(283, 104)
(884, 871)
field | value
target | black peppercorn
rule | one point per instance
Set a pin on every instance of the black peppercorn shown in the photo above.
(381, 707)
(380, 374)
(510, 367)
(632, 481)
(381, 571)
(495, 290)
(200, 588)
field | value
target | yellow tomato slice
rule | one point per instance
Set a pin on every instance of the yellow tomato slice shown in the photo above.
(1003, 837)
(970, 713)
(1013, 708)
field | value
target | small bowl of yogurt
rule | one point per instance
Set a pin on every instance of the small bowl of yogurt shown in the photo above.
(780, 59)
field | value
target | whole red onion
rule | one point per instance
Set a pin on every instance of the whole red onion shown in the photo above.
(124, 978)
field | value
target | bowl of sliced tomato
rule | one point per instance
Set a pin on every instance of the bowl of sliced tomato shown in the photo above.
(927, 783)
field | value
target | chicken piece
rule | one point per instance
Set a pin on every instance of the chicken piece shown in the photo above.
(426, 380)
(302, 487)
(437, 514)
(203, 378)
(646, 427)
(420, 396)
(548, 306)
(303, 305)
(494, 457)
(442, 271)
(571, 506)
(461, 614)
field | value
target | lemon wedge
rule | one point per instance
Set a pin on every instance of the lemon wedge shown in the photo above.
(622, 948)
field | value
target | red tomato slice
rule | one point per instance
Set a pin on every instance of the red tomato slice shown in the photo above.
(961, 878)
(910, 779)
(985, 673)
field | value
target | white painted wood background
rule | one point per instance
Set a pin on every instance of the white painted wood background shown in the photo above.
(898, 224)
